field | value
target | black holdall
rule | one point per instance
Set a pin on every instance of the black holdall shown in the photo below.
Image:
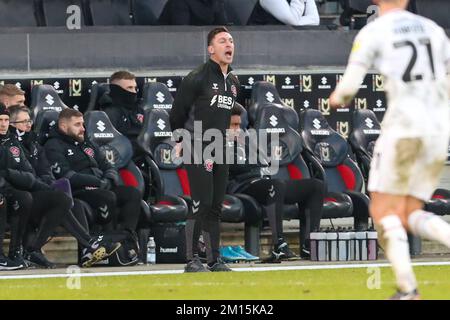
(126, 255)
(170, 242)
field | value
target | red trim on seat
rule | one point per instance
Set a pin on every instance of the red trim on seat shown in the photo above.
(294, 172)
(226, 202)
(348, 176)
(165, 202)
(438, 196)
(330, 200)
(128, 178)
(184, 181)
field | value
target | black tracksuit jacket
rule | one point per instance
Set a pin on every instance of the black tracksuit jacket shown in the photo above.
(206, 95)
(82, 163)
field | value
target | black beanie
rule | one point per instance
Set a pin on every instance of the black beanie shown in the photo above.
(3, 110)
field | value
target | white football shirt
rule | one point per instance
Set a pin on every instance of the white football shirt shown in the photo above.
(413, 55)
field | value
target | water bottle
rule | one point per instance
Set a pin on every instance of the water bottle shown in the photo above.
(151, 251)
(372, 245)
(344, 246)
(319, 246)
(352, 246)
(361, 245)
(332, 245)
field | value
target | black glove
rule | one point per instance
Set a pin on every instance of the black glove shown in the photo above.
(105, 184)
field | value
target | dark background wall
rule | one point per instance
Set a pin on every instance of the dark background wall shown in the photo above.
(167, 47)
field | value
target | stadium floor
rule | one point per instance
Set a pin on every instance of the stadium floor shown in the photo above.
(297, 280)
(64, 271)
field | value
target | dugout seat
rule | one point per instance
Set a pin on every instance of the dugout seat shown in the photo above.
(341, 172)
(264, 93)
(147, 12)
(44, 97)
(109, 12)
(156, 95)
(118, 151)
(23, 13)
(55, 12)
(45, 107)
(169, 178)
(238, 12)
(45, 122)
(366, 130)
(292, 166)
(99, 96)
(436, 10)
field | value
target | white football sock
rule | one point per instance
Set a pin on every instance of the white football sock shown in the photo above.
(429, 226)
(397, 252)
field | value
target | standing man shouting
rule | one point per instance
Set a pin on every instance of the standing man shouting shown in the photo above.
(413, 54)
(207, 95)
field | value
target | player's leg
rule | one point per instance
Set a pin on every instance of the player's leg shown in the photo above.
(387, 212)
(425, 224)
(201, 185)
(391, 171)
(211, 221)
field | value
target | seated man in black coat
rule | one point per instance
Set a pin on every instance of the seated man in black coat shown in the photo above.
(92, 178)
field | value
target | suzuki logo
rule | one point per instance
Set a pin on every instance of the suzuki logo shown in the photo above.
(160, 97)
(269, 96)
(287, 80)
(94, 82)
(161, 124)
(19, 85)
(306, 104)
(316, 124)
(369, 123)
(170, 83)
(251, 81)
(273, 121)
(324, 80)
(56, 85)
(49, 99)
(51, 124)
(379, 103)
(101, 125)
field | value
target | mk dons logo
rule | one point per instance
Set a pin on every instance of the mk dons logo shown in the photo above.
(109, 155)
(324, 106)
(325, 153)
(306, 83)
(288, 102)
(270, 78)
(36, 82)
(377, 82)
(75, 87)
(166, 156)
(360, 103)
(277, 152)
(342, 127)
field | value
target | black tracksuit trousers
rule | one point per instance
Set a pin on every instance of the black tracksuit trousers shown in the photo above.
(208, 184)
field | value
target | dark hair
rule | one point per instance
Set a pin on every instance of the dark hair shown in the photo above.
(214, 32)
(15, 110)
(68, 113)
(122, 75)
(237, 109)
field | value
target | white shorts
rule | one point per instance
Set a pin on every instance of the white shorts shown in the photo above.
(407, 166)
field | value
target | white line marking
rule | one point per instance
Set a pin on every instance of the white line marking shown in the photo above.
(256, 269)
